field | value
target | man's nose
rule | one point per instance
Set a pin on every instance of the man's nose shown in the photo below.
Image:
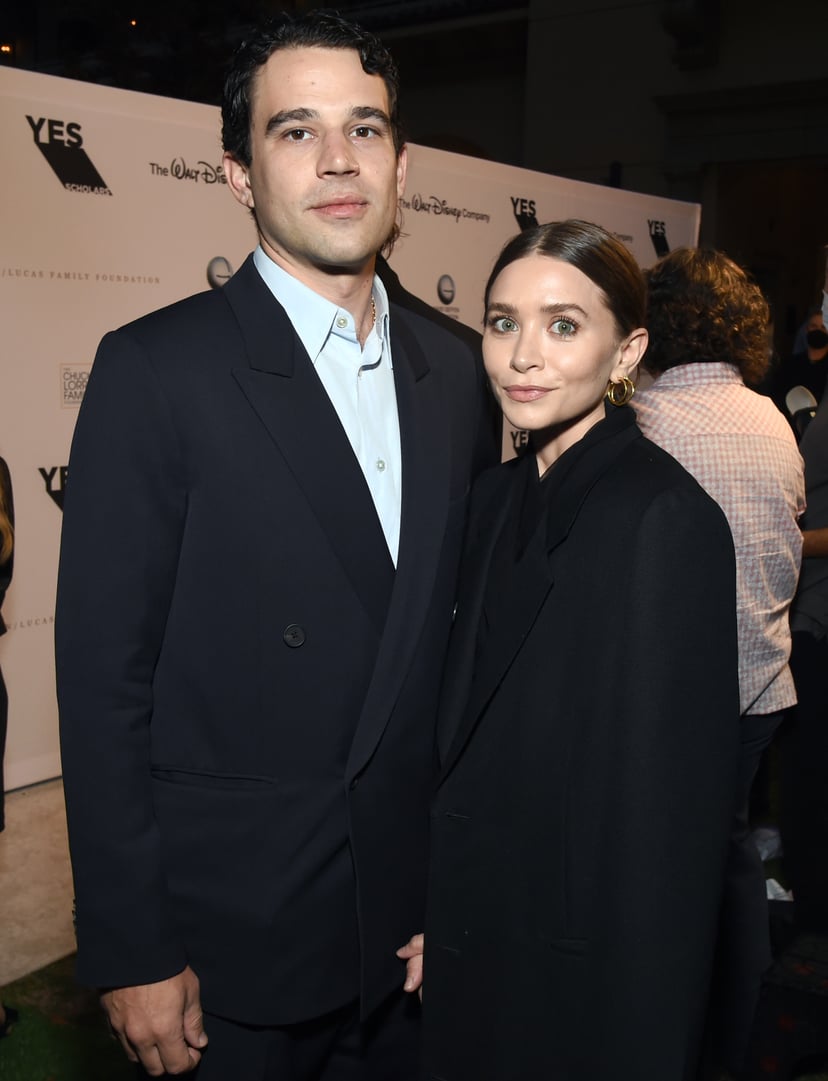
(337, 155)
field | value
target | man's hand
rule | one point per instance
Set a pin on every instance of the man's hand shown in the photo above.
(412, 954)
(159, 1024)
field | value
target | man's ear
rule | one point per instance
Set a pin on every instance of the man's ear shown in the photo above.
(238, 179)
(402, 169)
(630, 352)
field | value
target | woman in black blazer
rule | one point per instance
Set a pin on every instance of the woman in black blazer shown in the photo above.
(589, 721)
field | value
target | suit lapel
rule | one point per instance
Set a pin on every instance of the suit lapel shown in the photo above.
(426, 465)
(282, 387)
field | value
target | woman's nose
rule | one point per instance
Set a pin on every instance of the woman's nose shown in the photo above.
(525, 356)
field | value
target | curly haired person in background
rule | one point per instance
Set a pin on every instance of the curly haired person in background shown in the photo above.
(707, 322)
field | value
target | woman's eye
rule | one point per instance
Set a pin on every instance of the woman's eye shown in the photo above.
(565, 327)
(503, 323)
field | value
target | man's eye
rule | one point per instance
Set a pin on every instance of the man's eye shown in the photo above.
(363, 132)
(297, 135)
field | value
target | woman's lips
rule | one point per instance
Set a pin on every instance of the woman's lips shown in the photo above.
(525, 394)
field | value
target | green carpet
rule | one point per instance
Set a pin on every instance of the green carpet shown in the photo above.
(61, 1034)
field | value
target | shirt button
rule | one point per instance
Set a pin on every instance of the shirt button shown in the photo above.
(380, 465)
(341, 322)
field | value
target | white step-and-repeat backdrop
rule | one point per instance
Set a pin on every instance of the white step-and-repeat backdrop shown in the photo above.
(114, 203)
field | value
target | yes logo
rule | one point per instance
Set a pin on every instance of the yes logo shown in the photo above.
(55, 481)
(524, 211)
(658, 235)
(61, 144)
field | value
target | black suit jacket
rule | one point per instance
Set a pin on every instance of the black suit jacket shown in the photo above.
(589, 739)
(247, 688)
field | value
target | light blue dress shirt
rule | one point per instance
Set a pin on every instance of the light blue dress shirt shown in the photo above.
(359, 382)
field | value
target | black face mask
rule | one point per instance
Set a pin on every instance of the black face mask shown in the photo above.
(816, 338)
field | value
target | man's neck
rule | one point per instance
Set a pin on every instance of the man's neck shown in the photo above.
(348, 288)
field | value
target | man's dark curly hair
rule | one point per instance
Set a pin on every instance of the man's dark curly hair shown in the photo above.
(703, 307)
(320, 28)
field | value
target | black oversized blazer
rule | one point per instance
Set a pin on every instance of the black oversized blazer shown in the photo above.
(247, 688)
(588, 735)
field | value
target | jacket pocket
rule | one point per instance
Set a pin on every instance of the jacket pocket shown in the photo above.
(211, 780)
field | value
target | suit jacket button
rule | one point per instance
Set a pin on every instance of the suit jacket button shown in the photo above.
(294, 636)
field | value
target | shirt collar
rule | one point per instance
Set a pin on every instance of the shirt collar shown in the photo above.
(313, 317)
(698, 372)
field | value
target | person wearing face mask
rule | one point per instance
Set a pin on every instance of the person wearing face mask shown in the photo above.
(806, 368)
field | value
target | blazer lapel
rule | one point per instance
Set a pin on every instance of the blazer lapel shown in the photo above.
(425, 496)
(282, 387)
(483, 532)
(533, 575)
(528, 590)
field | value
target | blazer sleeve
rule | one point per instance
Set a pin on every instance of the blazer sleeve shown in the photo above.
(124, 513)
(668, 772)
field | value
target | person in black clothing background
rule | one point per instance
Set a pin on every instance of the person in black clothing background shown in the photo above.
(7, 1015)
(807, 368)
(6, 560)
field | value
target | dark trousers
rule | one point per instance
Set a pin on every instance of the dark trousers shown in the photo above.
(334, 1047)
(743, 951)
(803, 769)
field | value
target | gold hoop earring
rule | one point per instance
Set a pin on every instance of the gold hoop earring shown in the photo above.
(620, 393)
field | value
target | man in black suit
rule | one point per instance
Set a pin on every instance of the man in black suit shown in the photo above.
(261, 537)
